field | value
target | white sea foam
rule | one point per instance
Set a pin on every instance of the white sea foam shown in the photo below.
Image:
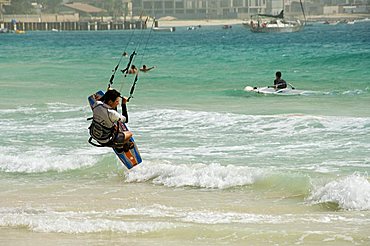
(350, 193)
(198, 175)
(353, 92)
(253, 139)
(189, 137)
(75, 222)
(43, 159)
(203, 122)
(56, 107)
(63, 108)
(24, 110)
(52, 138)
(143, 219)
(190, 215)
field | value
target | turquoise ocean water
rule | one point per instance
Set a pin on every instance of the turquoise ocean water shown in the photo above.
(221, 166)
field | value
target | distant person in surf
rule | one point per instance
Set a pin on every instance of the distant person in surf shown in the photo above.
(279, 83)
(146, 69)
(132, 70)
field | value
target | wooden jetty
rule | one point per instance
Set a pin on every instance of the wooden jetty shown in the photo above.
(73, 26)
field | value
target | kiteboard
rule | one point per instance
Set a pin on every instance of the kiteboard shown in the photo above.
(130, 158)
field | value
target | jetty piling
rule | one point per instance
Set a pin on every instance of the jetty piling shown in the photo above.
(74, 26)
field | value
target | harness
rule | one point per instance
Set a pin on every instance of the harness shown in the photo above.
(100, 133)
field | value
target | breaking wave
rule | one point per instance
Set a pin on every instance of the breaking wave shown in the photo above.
(349, 193)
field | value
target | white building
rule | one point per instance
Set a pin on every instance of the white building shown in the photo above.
(191, 9)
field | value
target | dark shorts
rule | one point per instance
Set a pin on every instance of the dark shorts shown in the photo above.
(119, 145)
(119, 139)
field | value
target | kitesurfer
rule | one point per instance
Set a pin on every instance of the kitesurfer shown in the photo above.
(104, 127)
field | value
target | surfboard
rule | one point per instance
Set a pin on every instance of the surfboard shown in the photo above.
(130, 158)
(269, 90)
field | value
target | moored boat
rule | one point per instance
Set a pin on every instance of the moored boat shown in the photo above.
(20, 32)
(277, 25)
(266, 23)
(164, 29)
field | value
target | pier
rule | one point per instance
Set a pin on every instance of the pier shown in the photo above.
(73, 26)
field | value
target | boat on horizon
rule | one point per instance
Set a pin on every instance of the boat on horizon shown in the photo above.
(265, 23)
(19, 32)
(163, 29)
(274, 25)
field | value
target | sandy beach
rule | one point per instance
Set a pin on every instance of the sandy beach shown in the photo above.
(179, 23)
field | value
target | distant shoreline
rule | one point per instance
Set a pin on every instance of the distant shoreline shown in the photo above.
(215, 22)
(181, 23)
(338, 17)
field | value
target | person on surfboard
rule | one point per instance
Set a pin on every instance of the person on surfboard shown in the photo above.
(279, 83)
(104, 127)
